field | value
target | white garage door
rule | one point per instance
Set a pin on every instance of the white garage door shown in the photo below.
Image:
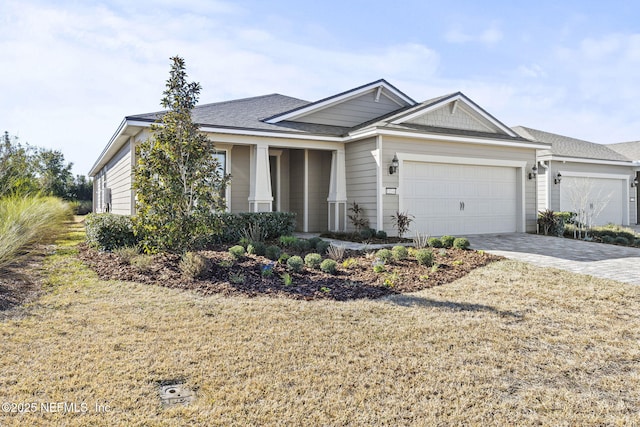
(601, 197)
(459, 199)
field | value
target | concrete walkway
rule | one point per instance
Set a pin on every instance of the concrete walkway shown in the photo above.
(596, 259)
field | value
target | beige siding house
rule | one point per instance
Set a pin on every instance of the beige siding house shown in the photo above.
(575, 174)
(446, 161)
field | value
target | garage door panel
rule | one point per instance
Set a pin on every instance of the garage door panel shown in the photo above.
(433, 194)
(603, 197)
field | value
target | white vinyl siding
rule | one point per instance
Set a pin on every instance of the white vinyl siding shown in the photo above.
(319, 175)
(240, 179)
(118, 180)
(457, 117)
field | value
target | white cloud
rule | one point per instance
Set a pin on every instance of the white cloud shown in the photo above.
(488, 36)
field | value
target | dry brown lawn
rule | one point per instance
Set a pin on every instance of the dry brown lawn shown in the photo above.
(509, 344)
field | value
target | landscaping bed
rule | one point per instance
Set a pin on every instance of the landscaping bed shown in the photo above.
(245, 275)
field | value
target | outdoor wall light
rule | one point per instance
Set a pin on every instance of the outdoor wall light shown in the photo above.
(393, 168)
(634, 183)
(557, 178)
(534, 172)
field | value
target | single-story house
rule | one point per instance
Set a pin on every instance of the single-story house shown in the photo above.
(446, 161)
(573, 173)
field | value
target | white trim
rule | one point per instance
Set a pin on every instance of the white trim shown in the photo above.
(464, 101)
(591, 161)
(594, 175)
(268, 133)
(520, 167)
(318, 106)
(305, 207)
(441, 137)
(379, 177)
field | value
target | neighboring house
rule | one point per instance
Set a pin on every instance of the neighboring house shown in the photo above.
(446, 161)
(631, 150)
(574, 173)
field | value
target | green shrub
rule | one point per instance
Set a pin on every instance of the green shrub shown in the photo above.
(272, 224)
(461, 243)
(621, 241)
(295, 263)
(142, 262)
(312, 260)
(107, 231)
(381, 234)
(366, 234)
(424, 257)
(447, 241)
(273, 252)
(385, 255)
(237, 251)
(288, 241)
(193, 265)
(287, 280)
(314, 241)
(81, 207)
(256, 248)
(27, 220)
(400, 253)
(322, 247)
(328, 266)
(283, 258)
(303, 245)
(608, 239)
(434, 242)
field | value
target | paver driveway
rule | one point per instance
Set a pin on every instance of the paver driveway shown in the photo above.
(596, 259)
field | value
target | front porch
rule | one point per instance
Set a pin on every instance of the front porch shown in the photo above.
(309, 182)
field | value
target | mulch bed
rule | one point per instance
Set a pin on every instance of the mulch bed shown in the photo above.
(224, 273)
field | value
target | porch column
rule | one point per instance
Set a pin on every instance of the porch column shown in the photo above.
(337, 200)
(260, 197)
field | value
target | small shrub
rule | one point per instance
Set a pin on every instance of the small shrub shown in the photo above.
(461, 243)
(313, 242)
(325, 290)
(236, 278)
(621, 241)
(434, 242)
(313, 260)
(253, 233)
(127, 253)
(303, 245)
(288, 241)
(457, 262)
(366, 234)
(328, 266)
(424, 257)
(225, 263)
(608, 239)
(435, 268)
(443, 253)
(295, 263)
(193, 265)
(399, 253)
(108, 231)
(447, 241)
(349, 263)
(256, 248)
(287, 280)
(237, 251)
(322, 246)
(267, 270)
(385, 255)
(357, 217)
(379, 268)
(273, 252)
(336, 252)
(636, 243)
(391, 279)
(284, 258)
(244, 242)
(381, 234)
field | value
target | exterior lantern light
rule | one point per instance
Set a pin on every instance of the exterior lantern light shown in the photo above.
(393, 168)
(534, 172)
(557, 179)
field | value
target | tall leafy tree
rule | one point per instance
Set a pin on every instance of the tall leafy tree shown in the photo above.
(17, 173)
(177, 179)
(54, 174)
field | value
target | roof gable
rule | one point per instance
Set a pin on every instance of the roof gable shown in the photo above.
(454, 111)
(349, 108)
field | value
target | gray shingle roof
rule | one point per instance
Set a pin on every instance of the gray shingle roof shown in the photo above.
(570, 147)
(628, 149)
(248, 113)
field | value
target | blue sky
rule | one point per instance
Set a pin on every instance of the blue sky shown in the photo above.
(71, 70)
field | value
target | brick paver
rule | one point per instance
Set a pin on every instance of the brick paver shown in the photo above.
(596, 259)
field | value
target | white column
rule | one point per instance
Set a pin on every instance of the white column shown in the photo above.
(337, 200)
(260, 197)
